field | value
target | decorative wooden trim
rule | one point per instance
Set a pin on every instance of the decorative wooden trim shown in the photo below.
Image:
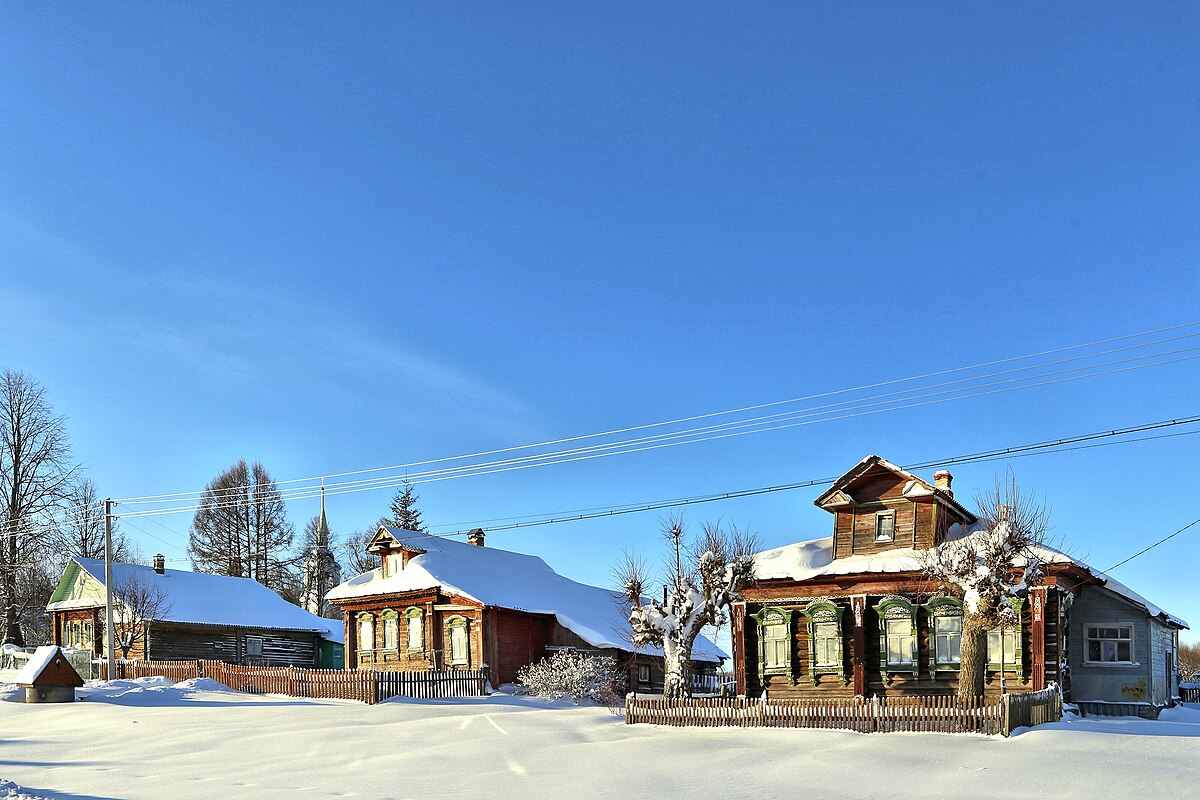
(941, 606)
(824, 611)
(896, 607)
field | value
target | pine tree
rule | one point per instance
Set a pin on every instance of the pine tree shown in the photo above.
(405, 514)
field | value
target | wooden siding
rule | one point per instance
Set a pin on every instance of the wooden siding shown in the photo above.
(178, 642)
(519, 639)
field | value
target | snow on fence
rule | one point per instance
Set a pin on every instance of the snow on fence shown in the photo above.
(710, 682)
(933, 713)
(367, 686)
(1189, 692)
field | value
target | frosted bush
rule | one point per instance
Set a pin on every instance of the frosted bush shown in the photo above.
(569, 673)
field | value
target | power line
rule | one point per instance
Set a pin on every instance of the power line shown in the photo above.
(557, 458)
(1151, 547)
(743, 409)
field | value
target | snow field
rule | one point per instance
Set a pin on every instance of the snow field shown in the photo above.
(149, 738)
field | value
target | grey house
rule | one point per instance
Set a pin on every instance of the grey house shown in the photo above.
(1121, 649)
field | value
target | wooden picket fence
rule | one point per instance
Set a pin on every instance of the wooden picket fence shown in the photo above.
(933, 713)
(366, 686)
(1027, 709)
(1189, 694)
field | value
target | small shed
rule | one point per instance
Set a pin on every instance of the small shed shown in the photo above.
(48, 677)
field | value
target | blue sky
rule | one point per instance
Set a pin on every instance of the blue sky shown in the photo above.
(333, 238)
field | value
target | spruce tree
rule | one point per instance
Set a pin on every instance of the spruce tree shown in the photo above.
(405, 513)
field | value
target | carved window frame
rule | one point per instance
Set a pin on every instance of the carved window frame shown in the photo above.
(1018, 634)
(940, 608)
(820, 613)
(895, 607)
(454, 624)
(770, 617)
(414, 618)
(391, 629)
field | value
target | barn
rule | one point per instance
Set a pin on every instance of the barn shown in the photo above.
(197, 616)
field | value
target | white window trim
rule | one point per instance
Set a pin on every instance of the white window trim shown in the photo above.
(907, 634)
(1087, 626)
(890, 513)
(934, 636)
(261, 642)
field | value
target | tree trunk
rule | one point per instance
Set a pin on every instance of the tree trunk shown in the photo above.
(973, 657)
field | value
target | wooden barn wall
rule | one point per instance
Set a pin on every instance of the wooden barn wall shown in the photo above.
(520, 639)
(171, 642)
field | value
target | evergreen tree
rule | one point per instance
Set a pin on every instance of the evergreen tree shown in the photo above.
(405, 513)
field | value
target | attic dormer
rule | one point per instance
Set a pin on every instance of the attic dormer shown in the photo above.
(393, 553)
(878, 506)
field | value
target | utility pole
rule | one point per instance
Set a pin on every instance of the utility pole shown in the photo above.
(109, 628)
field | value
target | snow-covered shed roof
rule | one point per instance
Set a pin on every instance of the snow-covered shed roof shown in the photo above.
(40, 662)
(511, 580)
(198, 598)
(802, 561)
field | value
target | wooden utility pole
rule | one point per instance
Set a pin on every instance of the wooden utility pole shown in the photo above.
(109, 629)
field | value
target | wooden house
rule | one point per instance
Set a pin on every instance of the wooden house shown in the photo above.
(853, 614)
(434, 603)
(201, 616)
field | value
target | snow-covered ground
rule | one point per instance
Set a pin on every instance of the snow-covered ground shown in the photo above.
(151, 739)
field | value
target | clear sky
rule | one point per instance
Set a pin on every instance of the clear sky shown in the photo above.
(332, 237)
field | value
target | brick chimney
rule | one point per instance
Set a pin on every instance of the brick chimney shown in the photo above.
(475, 537)
(942, 480)
(160, 563)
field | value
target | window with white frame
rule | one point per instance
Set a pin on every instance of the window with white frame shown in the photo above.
(1109, 644)
(458, 640)
(416, 629)
(827, 644)
(366, 632)
(885, 526)
(391, 630)
(899, 641)
(947, 639)
(1002, 646)
(777, 636)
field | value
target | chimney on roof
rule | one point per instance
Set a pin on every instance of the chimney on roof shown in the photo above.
(942, 480)
(160, 563)
(475, 537)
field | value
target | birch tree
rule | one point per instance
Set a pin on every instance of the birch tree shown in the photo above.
(36, 472)
(989, 568)
(702, 578)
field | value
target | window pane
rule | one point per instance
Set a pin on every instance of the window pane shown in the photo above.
(1093, 650)
(1123, 652)
(416, 639)
(883, 527)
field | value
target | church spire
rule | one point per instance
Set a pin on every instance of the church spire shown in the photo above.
(322, 523)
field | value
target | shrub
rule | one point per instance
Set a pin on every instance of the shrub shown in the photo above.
(569, 673)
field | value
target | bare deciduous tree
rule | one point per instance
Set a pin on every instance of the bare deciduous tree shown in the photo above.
(36, 472)
(353, 553)
(701, 579)
(241, 527)
(989, 568)
(81, 533)
(138, 600)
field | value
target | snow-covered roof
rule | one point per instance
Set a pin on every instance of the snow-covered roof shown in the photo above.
(802, 561)
(37, 662)
(506, 579)
(203, 599)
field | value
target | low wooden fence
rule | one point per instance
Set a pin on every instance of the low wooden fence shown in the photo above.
(934, 714)
(367, 686)
(1189, 693)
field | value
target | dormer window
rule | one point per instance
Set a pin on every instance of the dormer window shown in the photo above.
(885, 526)
(395, 563)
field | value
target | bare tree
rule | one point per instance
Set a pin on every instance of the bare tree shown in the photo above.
(35, 474)
(702, 578)
(241, 527)
(353, 554)
(989, 568)
(1189, 660)
(138, 601)
(81, 533)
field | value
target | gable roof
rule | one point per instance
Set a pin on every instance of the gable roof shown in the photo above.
(200, 599)
(916, 486)
(803, 561)
(511, 580)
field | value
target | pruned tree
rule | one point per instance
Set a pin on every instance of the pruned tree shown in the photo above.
(988, 568)
(36, 472)
(405, 513)
(138, 600)
(241, 527)
(702, 578)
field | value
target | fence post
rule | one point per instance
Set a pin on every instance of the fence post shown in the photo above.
(1006, 727)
